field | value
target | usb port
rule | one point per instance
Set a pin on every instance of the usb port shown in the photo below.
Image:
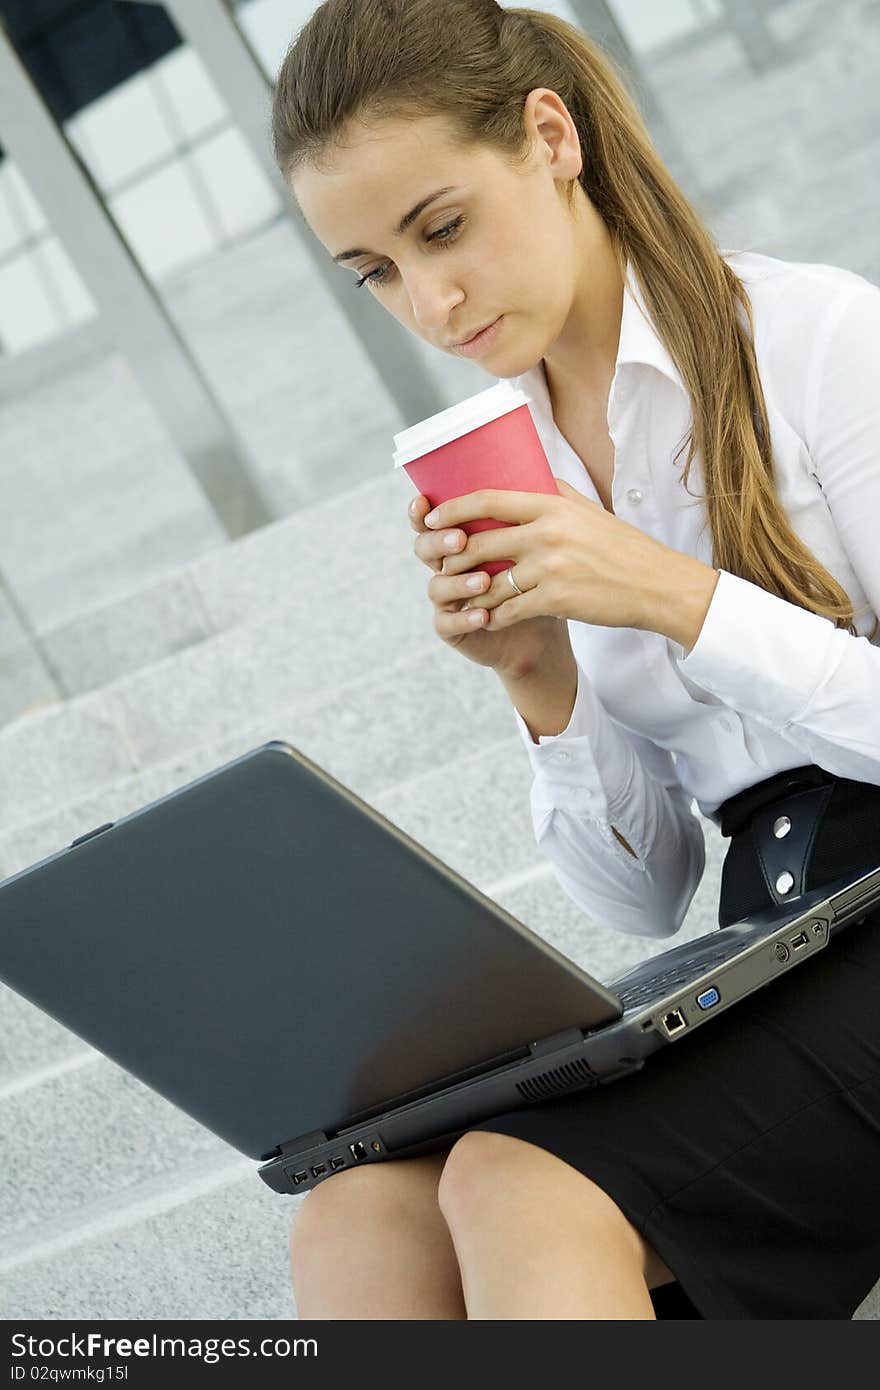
(799, 940)
(709, 997)
(319, 1169)
(337, 1163)
(300, 1177)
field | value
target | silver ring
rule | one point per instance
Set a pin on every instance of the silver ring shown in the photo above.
(513, 582)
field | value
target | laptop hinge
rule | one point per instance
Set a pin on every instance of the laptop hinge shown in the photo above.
(303, 1141)
(566, 1038)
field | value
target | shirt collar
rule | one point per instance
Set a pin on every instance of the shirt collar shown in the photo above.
(639, 344)
(639, 339)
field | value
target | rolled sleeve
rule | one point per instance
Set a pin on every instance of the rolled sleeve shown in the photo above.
(592, 775)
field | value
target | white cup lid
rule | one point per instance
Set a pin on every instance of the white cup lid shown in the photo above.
(459, 419)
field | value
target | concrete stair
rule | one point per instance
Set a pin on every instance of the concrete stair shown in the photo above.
(169, 652)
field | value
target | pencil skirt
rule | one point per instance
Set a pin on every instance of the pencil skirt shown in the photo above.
(748, 1154)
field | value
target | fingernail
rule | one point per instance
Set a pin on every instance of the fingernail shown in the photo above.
(431, 518)
(451, 540)
(412, 507)
(475, 582)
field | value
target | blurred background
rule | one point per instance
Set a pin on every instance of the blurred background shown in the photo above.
(203, 546)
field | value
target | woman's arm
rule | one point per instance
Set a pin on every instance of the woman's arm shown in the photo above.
(607, 806)
(815, 684)
(544, 700)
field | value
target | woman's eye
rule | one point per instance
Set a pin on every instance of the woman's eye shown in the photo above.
(375, 277)
(444, 236)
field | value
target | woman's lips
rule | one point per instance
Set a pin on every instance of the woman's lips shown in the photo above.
(482, 342)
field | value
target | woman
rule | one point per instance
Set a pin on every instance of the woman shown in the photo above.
(717, 646)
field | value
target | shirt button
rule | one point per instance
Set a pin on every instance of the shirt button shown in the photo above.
(562, 757)
(634, 496)
(727, 724)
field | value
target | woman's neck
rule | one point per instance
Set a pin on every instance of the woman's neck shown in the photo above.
(580, 364)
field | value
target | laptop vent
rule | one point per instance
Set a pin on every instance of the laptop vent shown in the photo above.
(553, 1083)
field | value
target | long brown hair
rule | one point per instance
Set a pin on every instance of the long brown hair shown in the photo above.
(474, 63)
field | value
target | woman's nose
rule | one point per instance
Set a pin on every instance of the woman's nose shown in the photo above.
(433, 298)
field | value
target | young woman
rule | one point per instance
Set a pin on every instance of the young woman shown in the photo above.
(480, 167)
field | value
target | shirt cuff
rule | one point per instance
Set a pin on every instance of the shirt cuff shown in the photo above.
(759, 653)
(566, 765)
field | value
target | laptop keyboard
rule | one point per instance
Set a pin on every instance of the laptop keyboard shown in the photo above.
(648, 982)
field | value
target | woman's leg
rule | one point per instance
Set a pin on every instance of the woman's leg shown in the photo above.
(535, 1239)
(371, 1242)
(495, 1229)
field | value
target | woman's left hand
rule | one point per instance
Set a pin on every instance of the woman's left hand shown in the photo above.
(573, 559)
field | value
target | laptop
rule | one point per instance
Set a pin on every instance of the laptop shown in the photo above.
(280, 961)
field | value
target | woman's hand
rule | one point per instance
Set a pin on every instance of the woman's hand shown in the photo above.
(573, 559)
(515, 652)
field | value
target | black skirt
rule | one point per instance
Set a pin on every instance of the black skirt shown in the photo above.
(748, 1155)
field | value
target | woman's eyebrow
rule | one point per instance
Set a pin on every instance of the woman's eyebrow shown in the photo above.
(405, 222)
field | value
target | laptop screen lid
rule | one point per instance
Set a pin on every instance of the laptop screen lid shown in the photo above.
(274, 957)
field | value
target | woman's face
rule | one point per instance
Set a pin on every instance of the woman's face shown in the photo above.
(498, 242)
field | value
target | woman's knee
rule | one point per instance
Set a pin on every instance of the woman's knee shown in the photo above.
(482, 1170)
(492, 1177)
(361, 1203)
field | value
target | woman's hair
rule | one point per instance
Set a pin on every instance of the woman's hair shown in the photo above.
(474, 63)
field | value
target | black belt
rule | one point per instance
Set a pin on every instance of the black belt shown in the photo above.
(783, 814)
(737, 811)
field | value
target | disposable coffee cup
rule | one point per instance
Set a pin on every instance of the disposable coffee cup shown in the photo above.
(486, 441)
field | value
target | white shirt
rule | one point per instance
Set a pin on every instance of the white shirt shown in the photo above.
(767, 686)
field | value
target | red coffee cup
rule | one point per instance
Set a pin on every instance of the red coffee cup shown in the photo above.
(486, 441)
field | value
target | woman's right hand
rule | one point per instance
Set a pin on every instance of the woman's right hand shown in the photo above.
(512, 651)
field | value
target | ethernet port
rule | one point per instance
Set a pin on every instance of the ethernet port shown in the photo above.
(674, 1021)
(358, 1152)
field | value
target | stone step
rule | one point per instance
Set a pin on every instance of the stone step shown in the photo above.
(395, 720)
(211, 1244)
(321, 549)
(25, 680)
(297, 648)
(344, 733)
